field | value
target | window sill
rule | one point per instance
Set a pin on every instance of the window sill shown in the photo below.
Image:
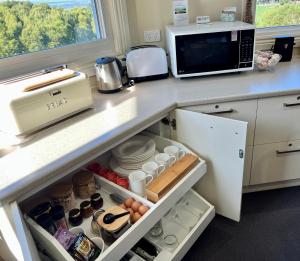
(265, 36)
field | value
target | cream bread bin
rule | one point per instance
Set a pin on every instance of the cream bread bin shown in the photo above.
(25, 109)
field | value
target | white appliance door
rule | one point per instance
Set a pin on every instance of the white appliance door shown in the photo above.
(221, 142)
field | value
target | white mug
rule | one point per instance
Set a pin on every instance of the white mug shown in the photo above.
(174, 151)
(76, 230)
(165, 159)
(98, 241)
(153, 169)
(138, 181)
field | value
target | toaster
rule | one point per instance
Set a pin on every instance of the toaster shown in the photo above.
(146, 62)
(30, 103)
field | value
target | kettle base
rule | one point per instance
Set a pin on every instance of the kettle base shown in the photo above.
(110, 91)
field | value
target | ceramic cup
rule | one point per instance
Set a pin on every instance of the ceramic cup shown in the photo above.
(153, 169)
(76, 230)
(99, 243)
(138, 181)
(165, 159)
(174, 151)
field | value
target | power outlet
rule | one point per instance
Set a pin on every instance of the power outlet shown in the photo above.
(152, 36)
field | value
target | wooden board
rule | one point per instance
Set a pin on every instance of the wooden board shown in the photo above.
(43, 80)
(117, 224)
(163, 183)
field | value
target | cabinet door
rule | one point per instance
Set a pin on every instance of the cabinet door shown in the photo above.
(14, 239)
(221, 142)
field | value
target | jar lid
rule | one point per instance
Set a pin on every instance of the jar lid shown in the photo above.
(83, 178)
(62, 190)
(85, 204)
(42, 208)
(57, 212)
(96, 197)
(74, 213)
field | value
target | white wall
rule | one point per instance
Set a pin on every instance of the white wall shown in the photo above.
(156, 14)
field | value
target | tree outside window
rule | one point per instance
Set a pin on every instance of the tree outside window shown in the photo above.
(27, 27)
(271, 13)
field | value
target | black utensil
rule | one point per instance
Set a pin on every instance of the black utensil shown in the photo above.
(110, 218)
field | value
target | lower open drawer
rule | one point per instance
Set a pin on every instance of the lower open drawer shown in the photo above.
(124, 243)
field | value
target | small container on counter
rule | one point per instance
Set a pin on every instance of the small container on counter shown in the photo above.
(43, 208)
(58, 217)
(84, 184)
(62, 194)
(75, 217)
(86, 209)
(96, 201)
(45, 221)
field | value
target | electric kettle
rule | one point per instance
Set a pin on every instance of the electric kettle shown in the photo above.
(109, 74)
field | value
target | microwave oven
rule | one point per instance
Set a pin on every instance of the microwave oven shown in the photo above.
(205, 49)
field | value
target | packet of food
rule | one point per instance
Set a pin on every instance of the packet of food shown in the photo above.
(83, 249)
(65, 237)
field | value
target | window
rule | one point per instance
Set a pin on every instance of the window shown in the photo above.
(100, 28)
(272, 13)
(35, 25)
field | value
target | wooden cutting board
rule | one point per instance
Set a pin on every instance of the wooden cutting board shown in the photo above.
(43, 80)
(165, 181)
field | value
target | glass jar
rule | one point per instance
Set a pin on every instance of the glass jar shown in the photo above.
(86, 209)
(75, 217)
(58, 216)
(96, 201)
(45, 221)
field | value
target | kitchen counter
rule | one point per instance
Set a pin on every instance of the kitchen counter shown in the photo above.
(50, 153)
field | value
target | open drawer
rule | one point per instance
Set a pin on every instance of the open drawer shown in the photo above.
(186, 229)
(124, 243)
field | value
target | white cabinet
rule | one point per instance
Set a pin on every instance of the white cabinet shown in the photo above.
(238, 110)
(278, 119)
(220, 141)
(276, 162)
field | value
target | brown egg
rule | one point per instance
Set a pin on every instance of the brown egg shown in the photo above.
(143, 209)
(128, 202)
(136, 216)
(135, 206)
(131, 212)
(122, 206)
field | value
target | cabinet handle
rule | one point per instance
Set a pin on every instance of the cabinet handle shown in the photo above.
(220, 112)
(291, 104)
(280, 152)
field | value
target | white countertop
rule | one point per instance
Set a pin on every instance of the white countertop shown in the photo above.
(115, 117)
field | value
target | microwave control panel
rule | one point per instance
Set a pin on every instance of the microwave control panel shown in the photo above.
(247, 48)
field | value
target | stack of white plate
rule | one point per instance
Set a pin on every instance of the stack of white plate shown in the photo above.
(132, 154)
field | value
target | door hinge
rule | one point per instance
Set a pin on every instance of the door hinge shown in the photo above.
(171, 123)
(241, 154)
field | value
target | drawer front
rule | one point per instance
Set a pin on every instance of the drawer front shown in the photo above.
(275, 162)
(278, 119)
(240, 110)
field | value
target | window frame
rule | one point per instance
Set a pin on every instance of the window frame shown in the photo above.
(265, 36)
(79, 56)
